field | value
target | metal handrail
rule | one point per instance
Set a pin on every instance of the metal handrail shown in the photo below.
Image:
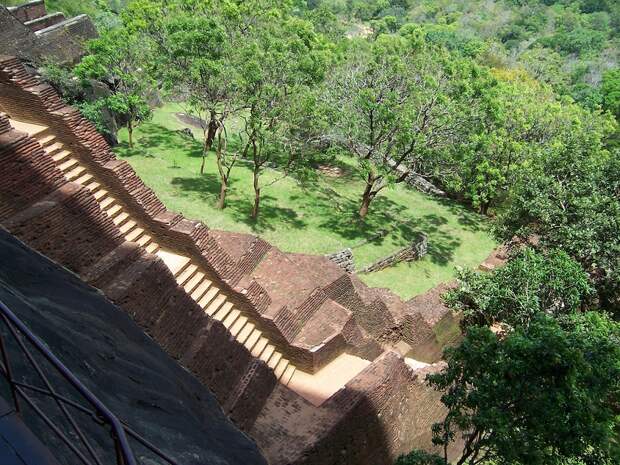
(120, 431)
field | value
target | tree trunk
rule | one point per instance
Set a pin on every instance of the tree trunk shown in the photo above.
(221, 203)
(366, 199)
(256, 206)
(130, 133)
(367, 196)
(209, 136)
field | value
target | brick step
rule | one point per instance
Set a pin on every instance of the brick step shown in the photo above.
(188, 275)
(288, 374)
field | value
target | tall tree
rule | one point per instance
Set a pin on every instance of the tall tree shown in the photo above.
(568, 198)
(395, 103)
(118, 57)
(280, 57)
(529, 283)
(544, 394)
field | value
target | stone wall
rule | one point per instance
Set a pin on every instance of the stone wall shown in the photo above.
(416, 250)
(344, 259)
(28, 11)
(29, 33)
(26, 99)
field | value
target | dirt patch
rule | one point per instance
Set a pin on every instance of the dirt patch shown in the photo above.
(191, 120)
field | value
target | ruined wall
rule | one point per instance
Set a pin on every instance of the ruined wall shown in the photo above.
(26, 99)
(344, 259)
(385, 411)
(63, 220)
(28, 11)
(414, 251)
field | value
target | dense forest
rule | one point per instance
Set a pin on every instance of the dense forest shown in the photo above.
(509, 106)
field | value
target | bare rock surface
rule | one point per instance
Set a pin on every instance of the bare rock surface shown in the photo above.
(118, 362)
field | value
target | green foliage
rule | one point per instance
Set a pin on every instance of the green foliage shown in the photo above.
(513, 295)
(568, 198)
(118, 56)
(418, 457)
(610, 91)
(541, 394)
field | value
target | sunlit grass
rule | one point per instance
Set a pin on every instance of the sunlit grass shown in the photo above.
(316, 218)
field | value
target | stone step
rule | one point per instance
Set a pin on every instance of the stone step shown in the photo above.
(84, 179)
(281, 368)
(113, 211)
(223, 311)
(134, 234)
(248, 329)
(93, 186)
(64, 166)
(106, 202)
(274, 360)
(231, 318)
(120, 218)
(47, 140)
(260, 346)
(74, 173)
(267, 353)
(183, 277)
(238, 326)
(152, 247)
(215, 305)
(208, 297)
(176, 263)
(193, 282)
(144, 240)
(55, 149)
(100, 195)
(251, 342)
(288, 375)
(199, 292)
(61, 155)
(128, 226)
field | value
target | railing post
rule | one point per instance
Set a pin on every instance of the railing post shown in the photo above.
(7, 368)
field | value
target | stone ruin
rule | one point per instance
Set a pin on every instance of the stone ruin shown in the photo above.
(34, 35)
(311, 363)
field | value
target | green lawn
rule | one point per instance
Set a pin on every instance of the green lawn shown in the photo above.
(318, 217)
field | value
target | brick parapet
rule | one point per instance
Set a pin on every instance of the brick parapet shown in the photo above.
(28, 100)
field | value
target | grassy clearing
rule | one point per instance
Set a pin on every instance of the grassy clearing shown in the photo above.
(317, 218)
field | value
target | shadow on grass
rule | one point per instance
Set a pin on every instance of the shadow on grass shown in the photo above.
(384, 216)
(157, 136)
(207, 188)
(468, 219)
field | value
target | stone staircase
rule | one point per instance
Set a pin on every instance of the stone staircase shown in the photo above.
(187, 274)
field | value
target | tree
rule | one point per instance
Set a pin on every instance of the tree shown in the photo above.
(395, 102)
(539, 395)
(118, 57)
(194, 43)
(568, 198)
(611, 92)
(531, 282)
(279, 58)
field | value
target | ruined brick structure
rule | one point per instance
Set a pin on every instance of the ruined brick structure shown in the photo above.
(314, 365)
(32, 34)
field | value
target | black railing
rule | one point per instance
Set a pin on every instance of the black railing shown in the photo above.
(74, 437)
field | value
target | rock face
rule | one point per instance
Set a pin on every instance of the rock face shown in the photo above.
(135, 378)
(32, 34)
(344, 259)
